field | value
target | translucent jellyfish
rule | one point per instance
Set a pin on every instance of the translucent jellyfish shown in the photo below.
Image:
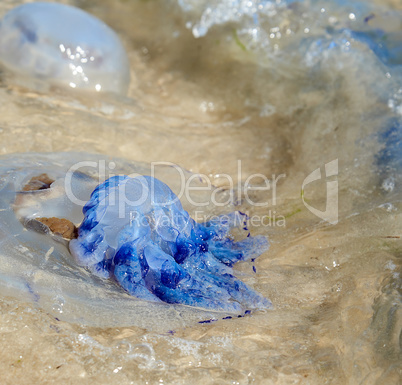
(36, 264)
(136, 230)
(64, 45)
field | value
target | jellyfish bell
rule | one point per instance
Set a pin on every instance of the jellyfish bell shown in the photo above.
(63, 45)
(164, 255)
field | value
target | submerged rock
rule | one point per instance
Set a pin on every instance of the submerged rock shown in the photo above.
(60, 226)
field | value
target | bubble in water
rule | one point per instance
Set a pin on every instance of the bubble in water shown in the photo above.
(58, 305)
(388, 184)
(124, 347)
(65, 45)
(144, 355)
(389, 207)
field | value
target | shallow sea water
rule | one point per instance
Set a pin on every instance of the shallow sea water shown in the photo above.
(206, 104)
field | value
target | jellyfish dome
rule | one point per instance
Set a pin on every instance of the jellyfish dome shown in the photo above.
(64, 45)
(136, 231)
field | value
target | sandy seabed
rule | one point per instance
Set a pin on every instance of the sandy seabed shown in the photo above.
(206, 104)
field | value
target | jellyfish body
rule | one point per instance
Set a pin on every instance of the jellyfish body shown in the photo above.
(36, 266)
(64, 45)
(136, 231)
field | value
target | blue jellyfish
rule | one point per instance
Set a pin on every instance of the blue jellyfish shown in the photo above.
(136, 232)
(64, 45)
